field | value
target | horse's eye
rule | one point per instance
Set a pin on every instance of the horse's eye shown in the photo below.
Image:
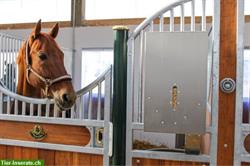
(42, 56)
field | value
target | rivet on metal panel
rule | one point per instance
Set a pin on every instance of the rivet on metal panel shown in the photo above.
(199, 104)
(156, 110)
(162, 122)
(148, 98)
(185, 117)
(175, 123)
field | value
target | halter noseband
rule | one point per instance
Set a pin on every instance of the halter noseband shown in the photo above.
(47, 81)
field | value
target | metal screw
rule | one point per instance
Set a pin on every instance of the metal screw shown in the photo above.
(175, 123)
(156, 110)
(148, 98)
(185, 117)
(162, 122)
(199, 104)
(138, 161)
(225, 145)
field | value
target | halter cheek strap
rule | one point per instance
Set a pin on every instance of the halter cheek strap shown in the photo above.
(47, 81)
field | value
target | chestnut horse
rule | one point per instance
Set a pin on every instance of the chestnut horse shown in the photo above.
(41, 71)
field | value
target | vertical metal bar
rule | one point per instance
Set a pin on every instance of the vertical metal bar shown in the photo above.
(141, 71)
(119, 91)
(161, 24)
(23, 108)
(8, 105)
(39, 110)
(55, 111)
(107, 125)
(7, 61)
(203, 19)
(130, 101)
(72, 111)
(171, 22)
(182, 21)
(64, 114)
(90, 105)
(1, 55)
(238, 143)
(80, 105)
(1, 102)
(13, 66)
(216, 48)
(152, 26)
(99, 100)
(31, 109)
(193, 15)
(16, 107)
(47, 109)
(9, 64)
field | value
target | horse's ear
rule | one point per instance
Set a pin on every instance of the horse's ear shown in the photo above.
(54, 30)
(37, 29)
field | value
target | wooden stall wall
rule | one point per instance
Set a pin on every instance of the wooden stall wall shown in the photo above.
(50, 157)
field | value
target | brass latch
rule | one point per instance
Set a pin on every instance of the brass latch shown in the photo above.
(99, 136)
(38, 133)
(174, 97)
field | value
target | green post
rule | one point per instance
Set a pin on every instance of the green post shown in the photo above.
(119, 94)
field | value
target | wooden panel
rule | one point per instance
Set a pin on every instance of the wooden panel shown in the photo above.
(60, 134)
(148, 162)
(63, 158)
(48, 156)
(29, 153)
(51, 157)
(81, 159)
(96, 160)
(14, 152)
(227, 68)
(172, 163)
(245, 164)
(3, 149)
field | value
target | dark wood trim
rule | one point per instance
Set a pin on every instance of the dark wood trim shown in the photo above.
(227, 63)
(105, 22)
(32, 25)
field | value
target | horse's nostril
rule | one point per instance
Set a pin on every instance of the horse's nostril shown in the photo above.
(66, 97)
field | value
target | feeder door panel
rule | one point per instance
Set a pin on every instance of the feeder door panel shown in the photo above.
(175, 82)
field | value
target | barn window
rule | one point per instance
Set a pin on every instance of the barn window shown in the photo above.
(23, 11)
(94, 62)
(109, 9)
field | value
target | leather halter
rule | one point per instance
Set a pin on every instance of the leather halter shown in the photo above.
(47, 81)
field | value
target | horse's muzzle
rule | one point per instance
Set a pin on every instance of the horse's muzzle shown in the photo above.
(65, 100)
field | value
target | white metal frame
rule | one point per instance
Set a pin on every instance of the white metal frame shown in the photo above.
(136, 73)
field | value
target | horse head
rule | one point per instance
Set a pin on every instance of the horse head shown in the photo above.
(42, 71)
